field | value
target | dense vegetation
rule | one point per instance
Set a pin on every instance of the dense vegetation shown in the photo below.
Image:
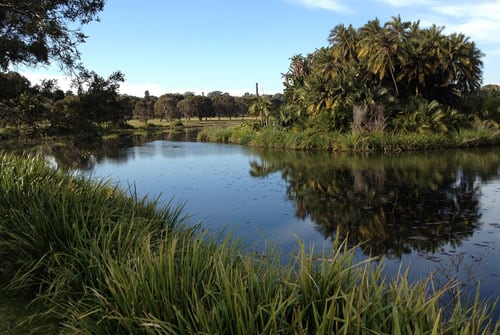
(94, 260)
(97, 107)
(396, 75)
(392, 86)
(100, 262)
(395, 86)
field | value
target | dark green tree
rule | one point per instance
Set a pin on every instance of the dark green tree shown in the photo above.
(263, 108)
(12, 84)
(38, 31)
(97, 103)
(203, 107)
(224, 105)
(21, 106)
(144, 108)
(196, 106)
(166, 107)
(381, 67)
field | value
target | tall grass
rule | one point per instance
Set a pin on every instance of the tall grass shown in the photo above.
(311, 138)
(55, 228)
(107, 263)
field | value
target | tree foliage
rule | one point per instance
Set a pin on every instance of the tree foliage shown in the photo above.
(166, 106)
(196, 106)
(144, 108)
(97, 102)
(224, 105)
(37, 31)
(21, 106)
(382, 67)
(12, 84)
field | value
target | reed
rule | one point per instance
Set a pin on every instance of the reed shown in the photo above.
(104, 262)
(55, 228)
(312, 139)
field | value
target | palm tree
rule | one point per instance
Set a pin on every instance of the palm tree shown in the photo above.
(453, 66)
(262, 107)
(378, 48)
(414, 65)
(344, 43)
(463, 65)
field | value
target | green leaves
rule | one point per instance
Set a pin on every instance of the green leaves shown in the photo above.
(33, 32)
(399, 57)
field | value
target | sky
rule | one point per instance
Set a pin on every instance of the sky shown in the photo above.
(200, 46)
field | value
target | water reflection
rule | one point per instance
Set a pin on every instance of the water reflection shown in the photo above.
(82, 153)
(391, 204)
(435, 211)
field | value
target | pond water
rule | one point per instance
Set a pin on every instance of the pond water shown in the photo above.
(435, 211)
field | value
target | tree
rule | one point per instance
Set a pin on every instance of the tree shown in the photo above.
(242, 104)
(65, 116)
(196, 105)
(144, 108)
(399, 59)
(21, 105)
(166, 107)
(203, 107)
(49, 89)
(12, 84)
(262, 107)
(27, 112)
(99, 97)
(378, 48)
(224, 105)
(37, 31)
(97, 102)
(344, 42)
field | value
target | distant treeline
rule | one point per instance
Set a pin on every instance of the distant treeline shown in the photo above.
(395, 77)
(27, 108)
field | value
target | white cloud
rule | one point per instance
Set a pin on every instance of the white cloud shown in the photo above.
(129, 88)
(478, 19)
(63, 82)
(487, 10)
(332, 5)
(138, 89)
(407, 3)
(481, 21)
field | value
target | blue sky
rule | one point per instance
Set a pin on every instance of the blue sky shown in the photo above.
(229, 45)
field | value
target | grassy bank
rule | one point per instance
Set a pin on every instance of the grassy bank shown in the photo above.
(100, 261)
(192, 123)
(310, 138)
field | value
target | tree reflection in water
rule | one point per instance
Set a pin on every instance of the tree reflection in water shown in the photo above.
(391, 204)
(83, 152)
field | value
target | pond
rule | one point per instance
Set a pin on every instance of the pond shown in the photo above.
(435, 211)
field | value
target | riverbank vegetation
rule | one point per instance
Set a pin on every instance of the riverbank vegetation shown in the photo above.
(381, 87)
(313, 139)
(100, 261)
(88, 258)
(385, 87)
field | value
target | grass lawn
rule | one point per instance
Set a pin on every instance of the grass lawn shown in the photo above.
(192, 123)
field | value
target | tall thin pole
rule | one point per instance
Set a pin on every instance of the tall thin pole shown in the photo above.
(257, 89)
